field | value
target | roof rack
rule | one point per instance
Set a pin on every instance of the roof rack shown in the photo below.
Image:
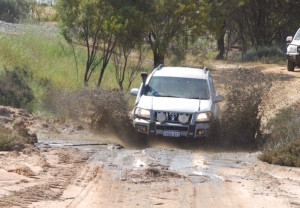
(159, 67)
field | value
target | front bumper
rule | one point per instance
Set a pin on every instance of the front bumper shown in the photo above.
(157, 128)
(294, 57)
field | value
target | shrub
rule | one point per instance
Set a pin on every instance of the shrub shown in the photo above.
(7, 142)
(265, 53)
(288, 155)
(14, 10)
(14, 88)
(283, 128)
(282, 146)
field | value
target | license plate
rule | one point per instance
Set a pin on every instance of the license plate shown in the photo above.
(171, 133)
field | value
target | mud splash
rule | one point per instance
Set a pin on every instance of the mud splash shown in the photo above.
(238, 126)
(240, 122)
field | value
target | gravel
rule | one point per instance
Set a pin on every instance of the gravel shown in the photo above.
(11, 28)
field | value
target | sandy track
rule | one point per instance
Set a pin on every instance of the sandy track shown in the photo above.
(153, 177)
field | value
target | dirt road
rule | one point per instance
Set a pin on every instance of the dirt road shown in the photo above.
(72, 167)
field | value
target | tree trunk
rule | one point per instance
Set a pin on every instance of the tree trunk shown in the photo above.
(101, 77)
(221, 48)
(86, 75)
(158, 59)
(221, 43)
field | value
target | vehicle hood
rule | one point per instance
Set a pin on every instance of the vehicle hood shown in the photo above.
(295, 42)
(174, 104)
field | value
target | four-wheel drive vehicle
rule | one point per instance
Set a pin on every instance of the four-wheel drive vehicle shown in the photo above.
(293, 50)
(176, 102)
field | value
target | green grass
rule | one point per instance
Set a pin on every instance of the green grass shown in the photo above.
(51, 61)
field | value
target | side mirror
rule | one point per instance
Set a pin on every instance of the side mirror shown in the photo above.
(134, 91)
(219, 98)
(289, 39)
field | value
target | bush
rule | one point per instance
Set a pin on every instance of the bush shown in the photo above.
(282, 146)
(14, 89)
(288, 155)
(283, 128)
(7, 142)
(265, 53)
(14, 10)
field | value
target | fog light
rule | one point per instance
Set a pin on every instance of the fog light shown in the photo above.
(142, 128)
(200, 132)
(161, 117)
(183, 118)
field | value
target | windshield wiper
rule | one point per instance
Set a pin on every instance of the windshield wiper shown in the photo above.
(165, 96)
(197, 98)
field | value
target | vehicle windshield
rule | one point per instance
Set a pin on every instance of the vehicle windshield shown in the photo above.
(297, 36)
(178, 87)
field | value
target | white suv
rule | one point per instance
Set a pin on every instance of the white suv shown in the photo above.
(176, 102)
(293, 51)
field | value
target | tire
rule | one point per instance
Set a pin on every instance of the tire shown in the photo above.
(141, 141)
(290, 66)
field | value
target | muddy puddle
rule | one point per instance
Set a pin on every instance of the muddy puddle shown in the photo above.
(163, 159)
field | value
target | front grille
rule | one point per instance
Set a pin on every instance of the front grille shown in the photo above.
(172, 128)
(172, 117)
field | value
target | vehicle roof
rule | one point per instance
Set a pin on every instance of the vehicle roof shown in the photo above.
(185, 72)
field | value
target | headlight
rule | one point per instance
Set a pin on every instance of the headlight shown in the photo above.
(143, 113)
(204, 117)
(292, 49)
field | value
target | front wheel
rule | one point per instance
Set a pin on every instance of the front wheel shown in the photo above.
(290, 66)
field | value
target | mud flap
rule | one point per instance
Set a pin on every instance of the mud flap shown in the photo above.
(152, 128)
(191, 131)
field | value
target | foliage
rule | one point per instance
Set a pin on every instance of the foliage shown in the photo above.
(14, 88)
(288, 155)
(170, 22)
(7, 142)
(273, 53)
(50, 61)
(128, 53)
(283, 128)
(43, 13)
(15, 10)
(84, 22)
(282, 145)
(250, 23)
(217, 16)
(127, 65)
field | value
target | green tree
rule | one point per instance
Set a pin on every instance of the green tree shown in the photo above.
(128, 53)
(89, 23)
(218, 16)
(169, 21)
(15, 10)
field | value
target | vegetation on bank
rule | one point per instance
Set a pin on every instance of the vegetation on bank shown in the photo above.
(288, 155)
(43, 62)
(282, 145)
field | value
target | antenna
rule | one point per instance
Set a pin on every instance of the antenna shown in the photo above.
(205, 69)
